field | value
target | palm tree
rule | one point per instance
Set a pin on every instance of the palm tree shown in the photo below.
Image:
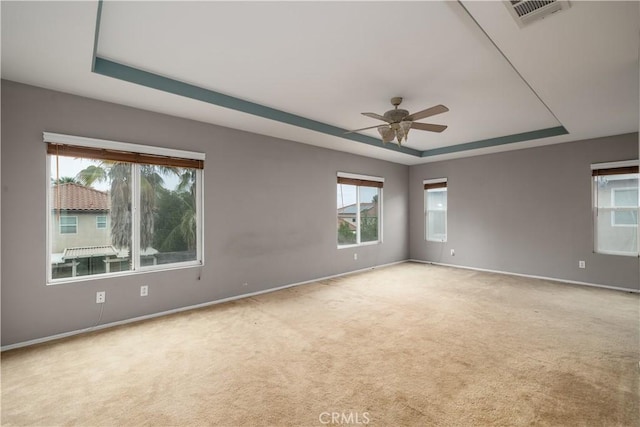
(188, 222)
(119, 174)
(185, 229)
(65, 180)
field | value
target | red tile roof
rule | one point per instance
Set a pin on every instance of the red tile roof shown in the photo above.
(75, 197)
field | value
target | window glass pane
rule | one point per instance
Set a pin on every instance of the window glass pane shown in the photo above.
(436, 225)
(83, 190)
(369, 214)
(168, 219)
(347, 209)
(436, 210)
(625, 197)
(616, 218)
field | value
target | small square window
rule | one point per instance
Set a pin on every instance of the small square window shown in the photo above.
(101, 222)
(68, 224)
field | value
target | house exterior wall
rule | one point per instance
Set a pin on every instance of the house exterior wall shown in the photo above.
(87, 234)
(525, 211)
(251, 234)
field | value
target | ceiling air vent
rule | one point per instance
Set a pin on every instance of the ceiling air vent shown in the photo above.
(527, 11)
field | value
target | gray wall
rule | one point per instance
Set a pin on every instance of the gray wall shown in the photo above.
(270, 214)
(526, 211)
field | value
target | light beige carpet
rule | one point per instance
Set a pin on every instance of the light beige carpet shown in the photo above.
(410, 344)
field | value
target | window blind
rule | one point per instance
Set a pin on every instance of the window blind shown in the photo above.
(122, 156)
(429, 186)
(360, 182)
(615, 171)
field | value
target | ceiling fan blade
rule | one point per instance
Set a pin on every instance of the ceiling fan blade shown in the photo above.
(438, 109)
(358, 130)
(428, 126)
(377, 116)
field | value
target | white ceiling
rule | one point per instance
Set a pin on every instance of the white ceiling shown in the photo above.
(330, 61)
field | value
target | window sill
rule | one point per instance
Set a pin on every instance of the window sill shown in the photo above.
(377, 242)
(142, 270)
(627, 254)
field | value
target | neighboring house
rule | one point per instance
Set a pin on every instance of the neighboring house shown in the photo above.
(81, 237)
(347, 214)
(80, 217)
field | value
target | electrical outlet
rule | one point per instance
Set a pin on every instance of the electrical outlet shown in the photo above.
(453, 252)
(581, 264)
(245, 284)
(101, 297)
(144, 290)
(355, 256)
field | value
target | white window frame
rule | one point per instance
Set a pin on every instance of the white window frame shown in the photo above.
(357, 222)
(136, 268)
(426, 210)
(620, 208)
(75, 217)
(594, 205)
(98, 223)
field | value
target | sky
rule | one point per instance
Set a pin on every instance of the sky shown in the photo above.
(347, 194)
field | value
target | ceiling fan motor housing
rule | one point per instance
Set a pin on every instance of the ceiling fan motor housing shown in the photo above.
(396, 115)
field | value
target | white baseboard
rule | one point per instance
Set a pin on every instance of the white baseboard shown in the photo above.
(178, 310)
(508, 273)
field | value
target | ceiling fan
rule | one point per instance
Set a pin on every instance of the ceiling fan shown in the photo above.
(399, 122)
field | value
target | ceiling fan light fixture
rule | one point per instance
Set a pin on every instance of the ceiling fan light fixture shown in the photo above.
(386, 133)
(405, 125)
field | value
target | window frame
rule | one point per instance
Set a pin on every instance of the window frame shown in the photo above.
(67, 225)
(380, 186)
(611, 168)
(436, 184)
(136, 267)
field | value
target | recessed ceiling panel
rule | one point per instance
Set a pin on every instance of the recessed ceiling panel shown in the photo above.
(330, 61)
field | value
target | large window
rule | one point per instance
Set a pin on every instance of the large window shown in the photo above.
(359, 209)
(615, 207)
(117, 207)
(435, 209)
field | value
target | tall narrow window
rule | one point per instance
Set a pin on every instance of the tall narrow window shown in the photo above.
(113, 209)
(435, 209)
(359, 209)
(615, 207)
